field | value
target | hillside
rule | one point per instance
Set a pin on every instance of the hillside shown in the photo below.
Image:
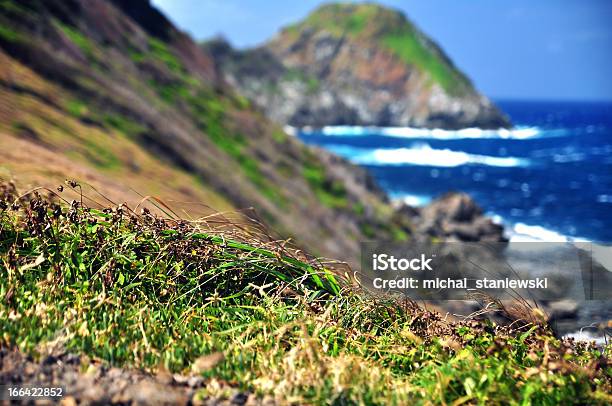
(127, 308)
(111, 93)
(360, 64)
(178, 297)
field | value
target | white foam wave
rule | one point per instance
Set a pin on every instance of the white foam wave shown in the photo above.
(423, 155)
(522, 232)
(517, 133)
(289, 130)
(413, 200)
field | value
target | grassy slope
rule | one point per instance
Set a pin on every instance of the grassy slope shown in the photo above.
(370, 23)
(134, 290)
(120, 107)
(43, 143)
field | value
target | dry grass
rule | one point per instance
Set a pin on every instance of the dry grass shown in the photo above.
(142, 286)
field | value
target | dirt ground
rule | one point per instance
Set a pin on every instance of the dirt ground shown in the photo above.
(92, 383)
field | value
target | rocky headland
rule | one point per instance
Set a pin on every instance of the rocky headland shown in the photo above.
(355, 64)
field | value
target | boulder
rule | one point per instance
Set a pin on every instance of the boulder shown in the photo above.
(456, 216)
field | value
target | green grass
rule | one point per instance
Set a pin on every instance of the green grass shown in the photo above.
(9, 34)
(160, 51)
(77, 108)
(329, 192)
(343, 19)
(209, 111)
(410, 50)
(100, 156)
(123, 124)
(171, 92)
(279, 136)
(367, 230)
(81, 41)
(133, 290)
(389, 29)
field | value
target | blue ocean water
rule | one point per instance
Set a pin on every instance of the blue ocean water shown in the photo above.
(549, 178)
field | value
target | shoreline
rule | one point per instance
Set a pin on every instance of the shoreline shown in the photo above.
(515, 232)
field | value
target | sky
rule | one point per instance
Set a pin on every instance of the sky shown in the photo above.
(519, 49)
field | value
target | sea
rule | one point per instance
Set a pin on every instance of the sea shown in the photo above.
(549, 178)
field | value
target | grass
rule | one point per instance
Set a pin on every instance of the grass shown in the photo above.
(8, 34)
(171, 92)
(76, 108)
(9, 11)
(210, 111)
(124, 124)
(101, 157)
(343, 19)
(329, 192)
(160, 51)
(81, 41)
(145, 290)
(409, 49)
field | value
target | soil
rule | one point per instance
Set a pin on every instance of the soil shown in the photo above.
(89, 382)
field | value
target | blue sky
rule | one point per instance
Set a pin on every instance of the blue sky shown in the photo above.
(520, 49)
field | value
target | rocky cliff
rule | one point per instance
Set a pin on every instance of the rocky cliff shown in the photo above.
(356, 64)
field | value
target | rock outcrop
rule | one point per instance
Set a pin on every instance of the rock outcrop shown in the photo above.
(356, 64)
(454, 217)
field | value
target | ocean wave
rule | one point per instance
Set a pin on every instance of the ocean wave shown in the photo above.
(521, 232)
(289, 130)
(517, 133)
(568, 154)
(412, 200)
(422, 155)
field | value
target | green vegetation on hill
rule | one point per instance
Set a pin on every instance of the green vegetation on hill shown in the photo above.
(331, 193)
(392, 30)
(135, 289)
(101, 93)
(410, 48)
(80, 40)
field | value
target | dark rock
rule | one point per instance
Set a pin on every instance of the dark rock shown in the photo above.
(456, 216)
(456, 207)
(239, 398)
(72, 359)
(564, 309)
(49, 360)
(407, 210)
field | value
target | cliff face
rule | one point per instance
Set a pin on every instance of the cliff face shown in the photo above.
(111, 93)
(359, 64)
